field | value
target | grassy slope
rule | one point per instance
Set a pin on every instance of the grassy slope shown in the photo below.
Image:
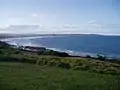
(41, 72)
(17, 76)
(64, 62)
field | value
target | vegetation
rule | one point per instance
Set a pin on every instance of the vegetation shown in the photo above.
(54, 53)
(51, 70)
(58, 59)
(18, 76)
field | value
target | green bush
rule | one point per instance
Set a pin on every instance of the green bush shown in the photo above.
(42, 62)
(63, 65)
(82, 67)
(52, 63)
(53, 53)
(1, 51)
(28, 60)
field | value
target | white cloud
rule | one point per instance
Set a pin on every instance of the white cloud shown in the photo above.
(34, 15)
(92, 22)
(22, 25)
(37, 15)
(15, 20)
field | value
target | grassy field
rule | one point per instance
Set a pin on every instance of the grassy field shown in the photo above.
(18, 76)
(23, 70)
(52, 59)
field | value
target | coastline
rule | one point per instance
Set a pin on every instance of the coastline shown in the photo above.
(63, 53)
(70, 52)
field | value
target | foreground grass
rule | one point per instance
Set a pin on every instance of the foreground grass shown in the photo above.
(18, 76)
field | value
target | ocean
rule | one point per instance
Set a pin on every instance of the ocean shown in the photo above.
(74, 44)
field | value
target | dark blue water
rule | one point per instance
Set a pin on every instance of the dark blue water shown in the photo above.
(77, 44)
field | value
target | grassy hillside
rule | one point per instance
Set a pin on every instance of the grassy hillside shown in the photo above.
(74, 63)
(17, 76)
(25, 70)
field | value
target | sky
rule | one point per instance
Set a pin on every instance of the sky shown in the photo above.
(60, 16)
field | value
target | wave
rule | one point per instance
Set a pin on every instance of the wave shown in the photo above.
(72, 52)
(84, 54)
(18, 38)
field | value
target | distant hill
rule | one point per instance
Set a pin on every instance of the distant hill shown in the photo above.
(7, 35)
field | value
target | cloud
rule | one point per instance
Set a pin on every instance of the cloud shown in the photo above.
(20, 29)
(96, 24)
(37, 15)
(34, 15)
(28, 19)
(91, 27)
(92, 22)
(15, 20)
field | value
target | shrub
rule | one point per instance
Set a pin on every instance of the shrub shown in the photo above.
(28, 60)
(4, 45)
(83, 67)
(54, 53)
(1, 51)
(41, 53)
(52, 63)
(63, 65)
(88, 56)
(17, 52)
(42, 62)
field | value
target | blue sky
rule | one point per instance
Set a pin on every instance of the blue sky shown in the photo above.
(60, 16)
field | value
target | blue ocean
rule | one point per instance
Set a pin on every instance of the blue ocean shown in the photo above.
(75, 44)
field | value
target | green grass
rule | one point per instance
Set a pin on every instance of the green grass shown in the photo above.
(18, 76)
(8, 54)
(73, 63)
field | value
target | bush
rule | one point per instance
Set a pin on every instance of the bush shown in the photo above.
(4, 45)
(1, 51)
(17, 52)
(52, 63)
(42, 62)
(28, 60)
(63, 65)
(41, 53)
(83, 67)
(88, 56)
(54, 53)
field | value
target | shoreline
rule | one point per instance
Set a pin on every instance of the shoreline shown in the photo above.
(49, 52)
(75, 53)
(70, 52)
